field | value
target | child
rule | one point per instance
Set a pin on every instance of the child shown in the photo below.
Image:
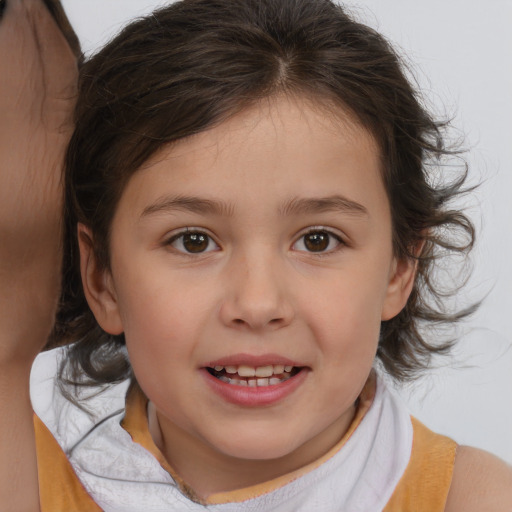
(250, 221)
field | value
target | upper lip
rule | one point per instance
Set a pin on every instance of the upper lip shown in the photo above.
(252, 360)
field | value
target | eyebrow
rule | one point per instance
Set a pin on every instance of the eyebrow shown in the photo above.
(295, 206)
(189, 204)
(334, 203)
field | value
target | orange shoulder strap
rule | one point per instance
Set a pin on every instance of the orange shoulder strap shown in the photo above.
(60, 489)
(425, 484)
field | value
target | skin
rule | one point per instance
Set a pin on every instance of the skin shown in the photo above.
(256, 290)
(481, 483)
(38, 75)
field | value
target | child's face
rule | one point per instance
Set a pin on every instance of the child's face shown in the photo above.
(263, 242)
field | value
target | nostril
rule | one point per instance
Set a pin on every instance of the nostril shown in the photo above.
(273, 321)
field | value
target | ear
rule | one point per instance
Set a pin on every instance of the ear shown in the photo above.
(401, 282)
(98, 285)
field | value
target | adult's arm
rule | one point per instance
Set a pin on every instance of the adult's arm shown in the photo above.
(38, 73)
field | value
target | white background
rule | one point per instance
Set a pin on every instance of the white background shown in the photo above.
(461, 51)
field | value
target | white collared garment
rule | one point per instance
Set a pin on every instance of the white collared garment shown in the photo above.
(122, 476)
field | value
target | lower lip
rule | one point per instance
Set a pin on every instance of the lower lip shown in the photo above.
(257, 396)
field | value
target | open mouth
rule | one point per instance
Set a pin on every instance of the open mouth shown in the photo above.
(250, 376)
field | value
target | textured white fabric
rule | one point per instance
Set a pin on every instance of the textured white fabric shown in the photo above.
(122, 476)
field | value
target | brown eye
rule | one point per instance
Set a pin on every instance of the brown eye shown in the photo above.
(193, 242)
(317, 241)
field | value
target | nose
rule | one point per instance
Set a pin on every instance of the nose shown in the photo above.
(256, 295)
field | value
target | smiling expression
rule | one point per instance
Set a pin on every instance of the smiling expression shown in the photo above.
(251, 266)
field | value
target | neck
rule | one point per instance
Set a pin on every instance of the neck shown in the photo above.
(209, 471)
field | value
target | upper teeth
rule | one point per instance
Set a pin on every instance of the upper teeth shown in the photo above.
(258, 371)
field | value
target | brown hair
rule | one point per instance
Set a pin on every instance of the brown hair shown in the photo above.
(191, 65)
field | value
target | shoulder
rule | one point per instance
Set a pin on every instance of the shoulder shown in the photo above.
(481, 482)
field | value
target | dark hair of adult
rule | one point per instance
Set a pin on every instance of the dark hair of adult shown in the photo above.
(190, 66)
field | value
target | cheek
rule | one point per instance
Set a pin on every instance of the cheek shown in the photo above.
(162, 315)
(345, 317)
(160, 325)
(153, 298)
(161, 337)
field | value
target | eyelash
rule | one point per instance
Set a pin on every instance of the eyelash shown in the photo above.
(206, 238)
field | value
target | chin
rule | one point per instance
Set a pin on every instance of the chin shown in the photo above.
(258, 447)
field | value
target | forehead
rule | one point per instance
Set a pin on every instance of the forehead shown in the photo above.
(278, 149)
